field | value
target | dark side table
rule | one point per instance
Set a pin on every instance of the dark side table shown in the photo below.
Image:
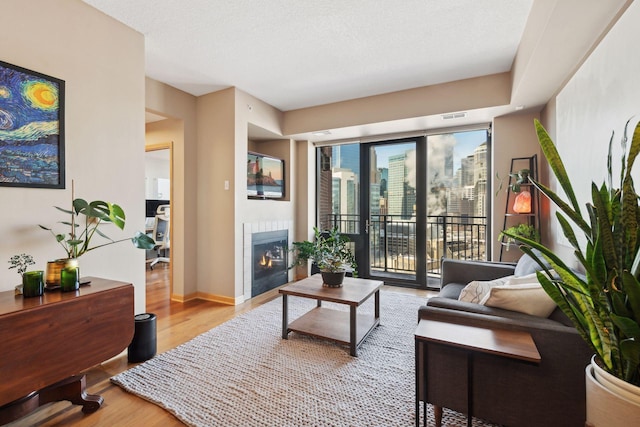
(516, 345)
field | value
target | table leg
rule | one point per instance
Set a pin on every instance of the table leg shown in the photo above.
(470, 389)
(425, 392)
(352, 331)
(72, 389)
(285, 320)
(376, 298)
(437, 414)
(417, 371)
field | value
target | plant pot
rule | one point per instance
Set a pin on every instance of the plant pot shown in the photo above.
(332, 279)
(54, 268)
(611, 402)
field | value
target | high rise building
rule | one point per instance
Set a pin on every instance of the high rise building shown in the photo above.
(347, 157)
(467, 170)
(345, 192)
(480, 179)
(480, 163)
(395, 184)
(401, 196)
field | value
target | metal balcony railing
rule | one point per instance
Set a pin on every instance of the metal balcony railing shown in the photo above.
(392, 239)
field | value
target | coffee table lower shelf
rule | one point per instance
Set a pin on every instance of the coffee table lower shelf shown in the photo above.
(322, 322)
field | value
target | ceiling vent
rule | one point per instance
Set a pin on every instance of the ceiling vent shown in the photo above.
(454, 116)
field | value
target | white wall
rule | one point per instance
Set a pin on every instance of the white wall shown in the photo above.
(513, 136)
(102, 63)
(602, 95)
(157, 178)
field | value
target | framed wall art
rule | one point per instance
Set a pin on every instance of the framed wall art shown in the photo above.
(31, 128)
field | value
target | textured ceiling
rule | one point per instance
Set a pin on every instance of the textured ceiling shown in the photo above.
(294, 54)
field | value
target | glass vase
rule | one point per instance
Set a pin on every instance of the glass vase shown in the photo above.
(33, 283)
(69, 279)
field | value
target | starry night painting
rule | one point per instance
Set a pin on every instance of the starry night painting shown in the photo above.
(31, 128)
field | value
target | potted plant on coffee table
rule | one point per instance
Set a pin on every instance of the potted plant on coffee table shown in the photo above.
(604, 304)
(331, 253)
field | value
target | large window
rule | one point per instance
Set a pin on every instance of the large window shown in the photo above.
(408, 203)
(457, 196)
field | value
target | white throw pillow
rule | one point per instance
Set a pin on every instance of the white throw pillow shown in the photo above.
(525, 298)
(523, 280)
(476, 290)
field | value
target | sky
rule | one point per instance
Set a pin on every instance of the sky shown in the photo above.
(465, 143)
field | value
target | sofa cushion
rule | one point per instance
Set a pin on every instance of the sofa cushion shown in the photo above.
(527, 265)
(476, 290)
(528, 298)
(452, 290)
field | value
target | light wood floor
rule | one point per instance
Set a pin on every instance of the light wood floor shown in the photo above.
(176, 324)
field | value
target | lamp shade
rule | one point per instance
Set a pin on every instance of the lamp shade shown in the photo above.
(522, 203)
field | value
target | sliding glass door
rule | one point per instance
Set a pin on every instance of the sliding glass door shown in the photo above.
(457, 196)
(391, 208)
(407, 203)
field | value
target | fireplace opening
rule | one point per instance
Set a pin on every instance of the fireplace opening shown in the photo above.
(269, 260)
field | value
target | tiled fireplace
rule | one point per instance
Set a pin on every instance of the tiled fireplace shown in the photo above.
(265, 256)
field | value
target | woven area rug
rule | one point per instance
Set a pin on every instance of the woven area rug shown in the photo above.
(242, 373)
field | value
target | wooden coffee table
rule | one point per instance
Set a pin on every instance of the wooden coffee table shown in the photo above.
(345, 327)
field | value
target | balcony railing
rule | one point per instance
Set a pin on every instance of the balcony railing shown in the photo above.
(392, 239)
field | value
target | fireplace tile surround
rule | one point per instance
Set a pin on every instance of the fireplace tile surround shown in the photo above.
(260, 227)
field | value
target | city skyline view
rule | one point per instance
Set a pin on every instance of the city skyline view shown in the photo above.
(456, 170)
(455, 195)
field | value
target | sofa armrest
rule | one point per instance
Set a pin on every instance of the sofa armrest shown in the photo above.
(465, 271)
(454, 311)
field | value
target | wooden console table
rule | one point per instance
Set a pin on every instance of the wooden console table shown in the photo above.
(518, 345)
(47, 341)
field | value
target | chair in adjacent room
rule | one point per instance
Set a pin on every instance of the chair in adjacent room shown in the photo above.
(161, 236)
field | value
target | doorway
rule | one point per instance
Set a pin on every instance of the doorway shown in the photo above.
(159, 194)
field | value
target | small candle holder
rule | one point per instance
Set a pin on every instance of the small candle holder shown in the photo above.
(33, 283)
(69, 279)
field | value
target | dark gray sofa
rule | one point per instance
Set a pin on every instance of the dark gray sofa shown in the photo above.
(505, 391)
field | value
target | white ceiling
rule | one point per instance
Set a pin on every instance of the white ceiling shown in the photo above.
(294, 54)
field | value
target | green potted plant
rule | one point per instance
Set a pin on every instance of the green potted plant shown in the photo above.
(21, 263)
(521, 177)
(84, 224)
(32, 281)
(604, 303)
(331, 253)
(523, 230)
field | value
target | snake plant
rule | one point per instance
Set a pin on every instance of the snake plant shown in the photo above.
(604, 303)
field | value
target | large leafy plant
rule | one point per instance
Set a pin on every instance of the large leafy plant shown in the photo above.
(86, 218)
(330, 251)
(604, 304)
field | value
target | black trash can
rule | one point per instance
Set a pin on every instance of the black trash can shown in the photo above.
(144, 344)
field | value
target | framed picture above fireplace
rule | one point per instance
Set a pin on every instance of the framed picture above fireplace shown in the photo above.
(265, 176)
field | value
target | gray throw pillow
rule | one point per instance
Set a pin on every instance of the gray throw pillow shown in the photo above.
(527, 265)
